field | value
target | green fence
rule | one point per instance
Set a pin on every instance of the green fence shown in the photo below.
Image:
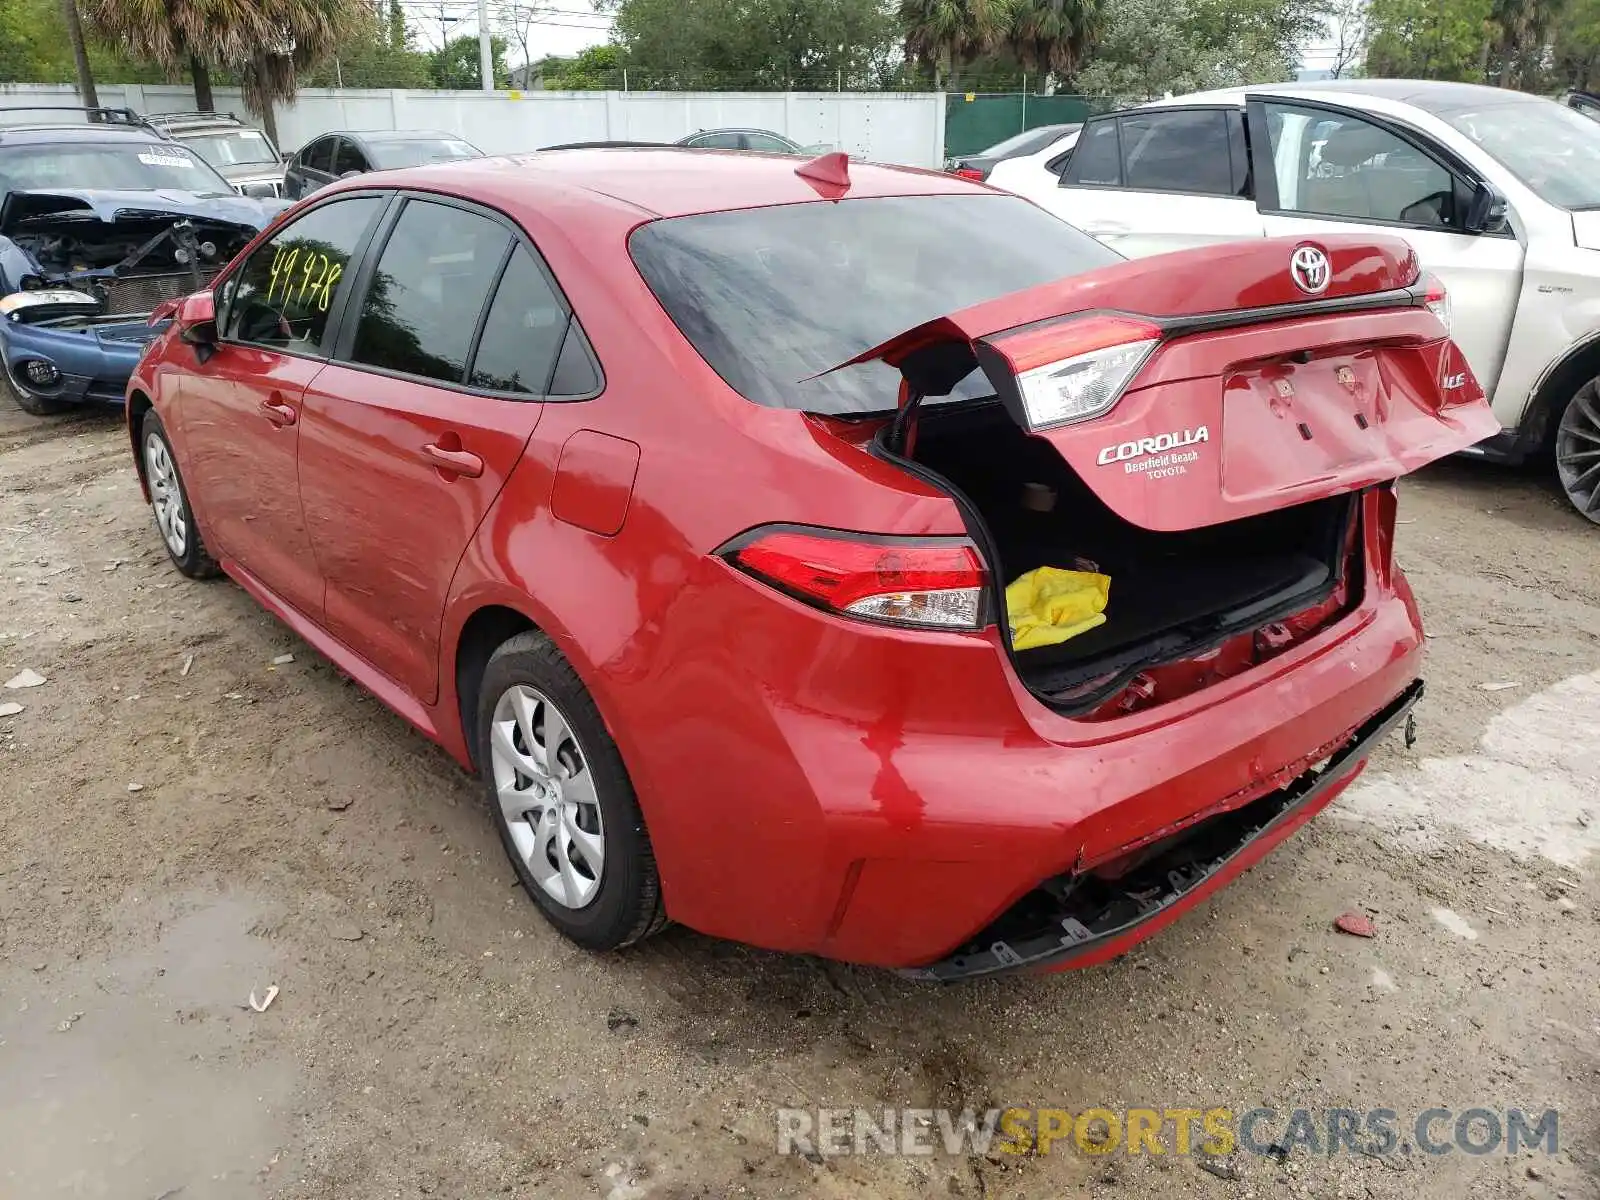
(976, 121)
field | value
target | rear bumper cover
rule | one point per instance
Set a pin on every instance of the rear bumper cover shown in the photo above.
(1208, 855)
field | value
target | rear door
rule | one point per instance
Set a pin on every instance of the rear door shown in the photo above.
(1158, 179)
(443, 363)
(1323, 169)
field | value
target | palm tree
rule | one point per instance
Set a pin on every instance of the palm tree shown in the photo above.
(948, 34)
(1052, 35)
(266, 42)
(80, 55)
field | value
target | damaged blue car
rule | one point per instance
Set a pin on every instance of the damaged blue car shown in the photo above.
(101, 222)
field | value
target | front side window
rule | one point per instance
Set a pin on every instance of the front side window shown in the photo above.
(1332, 164)
(282, 296)
(1184, 151)
(774, 298)
(319, 155)
(347, 158)
(1097, 158)
(431, 282)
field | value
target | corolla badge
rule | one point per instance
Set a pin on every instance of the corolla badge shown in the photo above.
(1308, 267)
(1160, 444)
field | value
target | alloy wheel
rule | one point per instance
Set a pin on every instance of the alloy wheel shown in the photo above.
(547, 796)
(166, 497)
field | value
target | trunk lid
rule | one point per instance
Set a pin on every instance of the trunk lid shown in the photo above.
(1233, 380)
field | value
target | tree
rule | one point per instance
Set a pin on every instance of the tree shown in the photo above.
(1149, 47)
(1348, 20)
(755, 43)
(455, 66)
(375, 52)
(595, 69)
(1576, 50)
(80, 53)
(1429, 39)
(946, 35)
(1051, 35)
(517, 20)
(267, 43)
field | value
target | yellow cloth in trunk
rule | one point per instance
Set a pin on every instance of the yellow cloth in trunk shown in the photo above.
(1048, 605)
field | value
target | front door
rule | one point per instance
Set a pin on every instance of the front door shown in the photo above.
(1159, 179)
(409, 436)
(1330, 170)
(240, 410)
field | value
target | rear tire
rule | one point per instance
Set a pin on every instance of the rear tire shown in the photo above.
(39, 406)
(1578, 450)
(169, 500)
(562, 801)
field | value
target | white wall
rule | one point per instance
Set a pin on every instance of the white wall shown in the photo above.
(893, 127)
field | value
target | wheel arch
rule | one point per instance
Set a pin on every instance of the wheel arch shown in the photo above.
(138, 404)
(1536, 432)
(483, 632)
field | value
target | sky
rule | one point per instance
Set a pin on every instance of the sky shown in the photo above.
(559, 26)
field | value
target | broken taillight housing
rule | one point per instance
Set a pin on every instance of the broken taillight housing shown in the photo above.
(1437, 300)
(1073, 369)
(926, 583)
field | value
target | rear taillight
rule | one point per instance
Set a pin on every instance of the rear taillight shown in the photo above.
(925, 583)
(1074, 369)
(1437, 300)
(969, 173)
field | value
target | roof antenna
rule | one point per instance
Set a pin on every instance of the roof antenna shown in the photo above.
(828, 173)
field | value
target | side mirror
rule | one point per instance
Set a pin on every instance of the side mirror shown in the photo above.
(1486, 213)
(196, 319)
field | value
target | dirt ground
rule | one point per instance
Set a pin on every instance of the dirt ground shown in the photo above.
(183, 823)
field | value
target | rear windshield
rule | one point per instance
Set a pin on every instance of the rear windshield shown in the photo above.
(772, 296)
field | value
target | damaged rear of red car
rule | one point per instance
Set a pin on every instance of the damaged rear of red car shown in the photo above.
(1217, 431)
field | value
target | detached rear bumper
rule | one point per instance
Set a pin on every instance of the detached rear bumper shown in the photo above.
(1076, 922)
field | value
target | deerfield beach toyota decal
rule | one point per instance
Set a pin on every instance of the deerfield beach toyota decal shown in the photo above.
(1158, 457)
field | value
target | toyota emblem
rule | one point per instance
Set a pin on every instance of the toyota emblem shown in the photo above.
(1308, 266)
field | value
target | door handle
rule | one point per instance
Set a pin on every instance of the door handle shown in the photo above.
(278, 413)
(453, 462)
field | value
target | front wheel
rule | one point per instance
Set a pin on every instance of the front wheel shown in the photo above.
(1578, 450)
(170, 501)
(562, 800)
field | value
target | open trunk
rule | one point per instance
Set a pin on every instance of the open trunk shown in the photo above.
(1200, 429)
(1173, 593)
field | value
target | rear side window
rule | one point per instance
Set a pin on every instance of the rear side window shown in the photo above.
(772, 297)
(523, 332)
(1184, 151)
(1097, 158)
(432, 279)
(282, 296)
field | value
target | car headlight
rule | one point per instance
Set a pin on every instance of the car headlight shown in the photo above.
(40, 373)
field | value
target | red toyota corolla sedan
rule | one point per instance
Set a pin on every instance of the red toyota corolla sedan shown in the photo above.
(676, 494)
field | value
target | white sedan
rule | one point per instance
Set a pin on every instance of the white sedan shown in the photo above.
(1498, 191)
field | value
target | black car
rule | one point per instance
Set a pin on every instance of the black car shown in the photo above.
(1029, 141)
(337, 155)
(242, 154)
